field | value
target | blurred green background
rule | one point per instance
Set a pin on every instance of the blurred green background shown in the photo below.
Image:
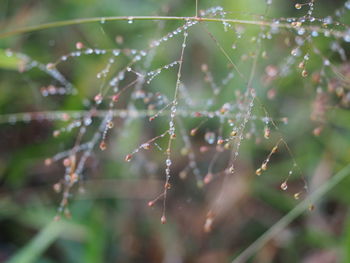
(110, 218)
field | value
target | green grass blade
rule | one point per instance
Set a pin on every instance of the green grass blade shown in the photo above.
(32, 251)
(294, 213)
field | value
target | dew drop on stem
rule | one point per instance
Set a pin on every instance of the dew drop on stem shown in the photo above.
(284, 186)
(163, 219)
(209, 137)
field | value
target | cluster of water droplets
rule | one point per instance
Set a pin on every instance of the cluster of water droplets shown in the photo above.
(189, 23)
(154, 73)
(236, 114)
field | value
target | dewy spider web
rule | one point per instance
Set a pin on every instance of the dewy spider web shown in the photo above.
(236, 114)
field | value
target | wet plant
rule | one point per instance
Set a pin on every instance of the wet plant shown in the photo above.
(197, 115)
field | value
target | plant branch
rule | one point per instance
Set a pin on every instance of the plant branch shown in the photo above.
(121, 113)
(78, 21)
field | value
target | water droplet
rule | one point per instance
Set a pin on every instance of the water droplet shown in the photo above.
(79, 45)
(89, 51)
(57, 187)
(346, 37)
(208, 178)
(103, 146)
(295, 52)
(193, 132)
(274, 149)
(87, 121)
(209, 137)
(220, 141)
(128, 158)
(66, 162)
(163, 219)
(347, 5)
(296, 196)
(284, 186)
(304, 73)
(232, 169)
(328, 20)
(116, 52)
(50, 66)
(98, 98)
(258, 171)
(298, 6)
(233, 133)
(267, 133)
(56, 133)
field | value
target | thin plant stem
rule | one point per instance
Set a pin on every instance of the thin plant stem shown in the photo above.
(123, 113)
(43, 26)
(172, 118)
(293, 214)
(223, 51)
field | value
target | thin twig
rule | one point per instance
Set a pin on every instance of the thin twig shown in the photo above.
(122, 113)
(155, 18)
